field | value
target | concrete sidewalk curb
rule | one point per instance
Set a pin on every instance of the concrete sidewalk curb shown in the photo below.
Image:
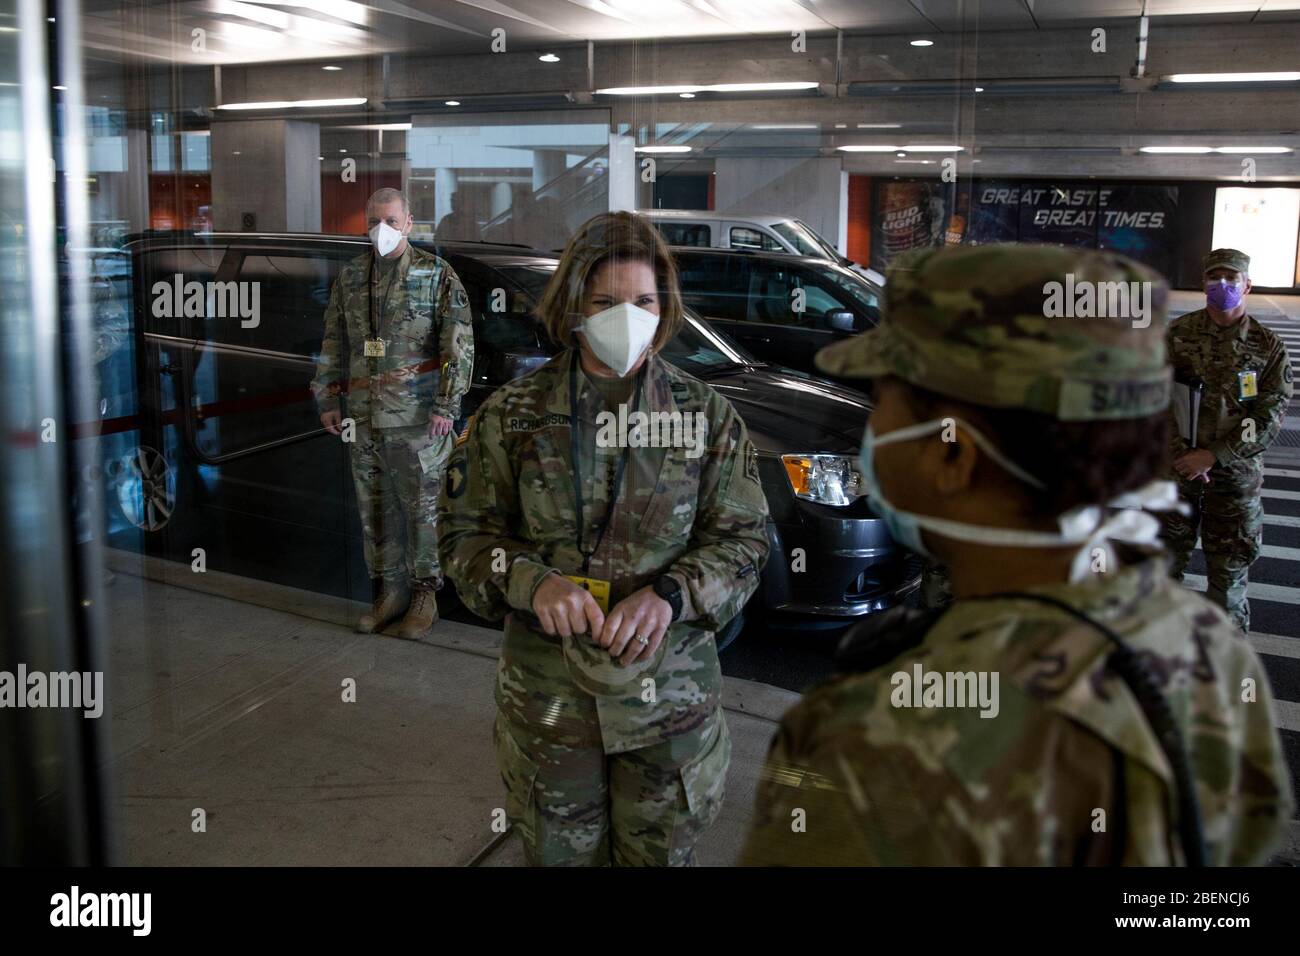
(745, 696)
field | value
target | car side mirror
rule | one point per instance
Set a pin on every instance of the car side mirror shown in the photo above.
(841, 321)
(518, 362)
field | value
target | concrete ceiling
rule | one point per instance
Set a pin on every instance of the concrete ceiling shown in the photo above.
(258, 31)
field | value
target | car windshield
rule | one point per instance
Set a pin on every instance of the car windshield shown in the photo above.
(805, 241)
(697, 348)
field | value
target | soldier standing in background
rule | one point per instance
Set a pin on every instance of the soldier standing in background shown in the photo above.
(1127, 722)
(399, 341)
(614, 565)
(1247, 376)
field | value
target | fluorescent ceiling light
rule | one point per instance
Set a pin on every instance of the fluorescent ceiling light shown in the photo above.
(380, 126)
(663, 149)
(1252, 149)
(785, 126)
(1233, 77)
(931, 148)
(868, 149)
(294, 104)
(919, 162)
(331, 69)
(880, 126)
(1176, 149)
(714, 88)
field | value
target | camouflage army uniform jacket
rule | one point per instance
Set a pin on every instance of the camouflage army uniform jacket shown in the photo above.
(887, 784)
(428, 330)
(508, 519)
(1199, 349)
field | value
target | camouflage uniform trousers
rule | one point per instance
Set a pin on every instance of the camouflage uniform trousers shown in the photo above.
(398, 500)
(1229, 517)
(578, 806)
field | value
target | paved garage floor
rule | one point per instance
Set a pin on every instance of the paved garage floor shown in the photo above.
(235, 712)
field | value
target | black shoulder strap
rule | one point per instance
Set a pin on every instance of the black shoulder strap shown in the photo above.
(879, 638)
(1124, 662)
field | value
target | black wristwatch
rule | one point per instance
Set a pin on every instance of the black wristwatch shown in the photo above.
(666, 587)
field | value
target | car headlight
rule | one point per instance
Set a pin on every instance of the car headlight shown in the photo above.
(825, 479)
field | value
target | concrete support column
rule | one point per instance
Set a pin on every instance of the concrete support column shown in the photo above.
(135, 177)
(267, 168)
(623, 173)
(547, 164)
(813, 190)
(444, 185)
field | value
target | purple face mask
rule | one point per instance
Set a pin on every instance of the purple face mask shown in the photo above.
(1223, 295)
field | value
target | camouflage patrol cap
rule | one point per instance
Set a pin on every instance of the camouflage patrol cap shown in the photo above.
(1074, 333)
(1233, 259)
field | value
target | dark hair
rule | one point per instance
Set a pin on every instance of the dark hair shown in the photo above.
(1080, 463)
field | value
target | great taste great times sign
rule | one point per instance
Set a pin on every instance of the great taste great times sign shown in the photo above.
(1139, 221)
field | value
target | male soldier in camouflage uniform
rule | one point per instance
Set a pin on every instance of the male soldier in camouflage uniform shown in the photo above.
(1247, 376)
(1060, 765)
(606, 759)
(399, 342)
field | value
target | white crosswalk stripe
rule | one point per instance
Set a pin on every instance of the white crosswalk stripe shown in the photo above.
(1275, 645)
(1285, 554)
(1281, 593)
(1281, 521)
(1288, 715)
(1279, 493)
(1281, 473)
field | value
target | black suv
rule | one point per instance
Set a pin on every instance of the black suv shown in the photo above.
(223, 449)
(781, 307)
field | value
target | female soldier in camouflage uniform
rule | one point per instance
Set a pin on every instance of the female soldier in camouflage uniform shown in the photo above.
(614, 555)
(1072, 705)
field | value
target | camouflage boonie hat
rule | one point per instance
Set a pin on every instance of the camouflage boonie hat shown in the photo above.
(1233, 259)
(1074, 333)
(592, 669)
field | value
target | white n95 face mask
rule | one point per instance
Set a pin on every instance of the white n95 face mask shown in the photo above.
(385, 238)
(619, 335)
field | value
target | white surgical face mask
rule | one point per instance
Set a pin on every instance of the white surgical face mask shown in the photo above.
(385, 238)
(619, 335)
(1090, 527)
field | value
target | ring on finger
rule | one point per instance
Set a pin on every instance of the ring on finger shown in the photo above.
(644, 640)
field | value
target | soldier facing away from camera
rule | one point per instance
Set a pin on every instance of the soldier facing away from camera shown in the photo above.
(1127, 720)
(399, 349)
(613, 563)
(1247, 384)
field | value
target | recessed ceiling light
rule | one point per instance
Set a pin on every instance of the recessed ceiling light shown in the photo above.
(841, 125)
(51, 19)
(320, 157)
(453, 103)
(687, 96)
(900, 155)
(331, 69)
(922, 43)
(979, 89)
(549, 58)
(60, 87)
(235, 152)
(342, 150)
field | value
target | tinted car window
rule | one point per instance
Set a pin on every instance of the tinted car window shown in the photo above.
(685, 233)
(743, 237)
(293, 292)
(772, 294)
(715, 286)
